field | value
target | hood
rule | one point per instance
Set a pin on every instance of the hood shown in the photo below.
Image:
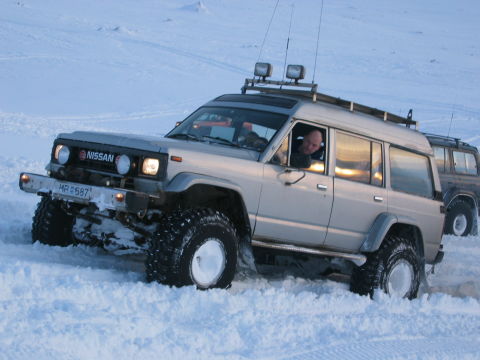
(159, 144)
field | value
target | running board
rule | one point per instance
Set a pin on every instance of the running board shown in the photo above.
(357, 259)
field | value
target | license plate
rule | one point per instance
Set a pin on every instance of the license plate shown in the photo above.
(78, 191)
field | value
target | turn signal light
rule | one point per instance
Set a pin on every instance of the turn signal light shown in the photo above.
(119, 197)
(176, 158)
(25, 178)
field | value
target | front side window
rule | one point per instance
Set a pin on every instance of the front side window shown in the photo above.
(243, 128)
(464, 163)
(410, 173)
(304, 145)
(358, 159)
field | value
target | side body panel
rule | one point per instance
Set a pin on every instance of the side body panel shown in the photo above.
(298, 213)
(355, 208)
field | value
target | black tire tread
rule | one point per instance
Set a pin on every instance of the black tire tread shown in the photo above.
(367, 278)
(164, 256)
(51, 225)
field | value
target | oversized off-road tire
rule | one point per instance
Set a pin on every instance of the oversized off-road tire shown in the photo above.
(395, 268)
(459, 220)
(193, 247)
(51, 224)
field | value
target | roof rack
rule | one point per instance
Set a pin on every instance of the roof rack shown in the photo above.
(457, 141)
(259, 85)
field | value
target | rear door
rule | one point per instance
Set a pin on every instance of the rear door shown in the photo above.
(360, 194)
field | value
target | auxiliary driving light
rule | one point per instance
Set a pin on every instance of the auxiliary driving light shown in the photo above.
(295, 72)
(150, 166)
(123, 164)
(263, 69)
(62, 154)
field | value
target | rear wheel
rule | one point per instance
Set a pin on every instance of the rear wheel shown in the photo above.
(193, 247)
(394, 268)
(459, 219)
(51, 224)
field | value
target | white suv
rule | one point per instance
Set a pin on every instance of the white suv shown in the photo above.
(234, 175)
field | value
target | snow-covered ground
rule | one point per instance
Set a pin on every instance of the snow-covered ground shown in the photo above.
(141, 65)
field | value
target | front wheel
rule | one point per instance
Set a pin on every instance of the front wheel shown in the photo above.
(395, 268)
(51, 224)
(193, 247)
(459, 219)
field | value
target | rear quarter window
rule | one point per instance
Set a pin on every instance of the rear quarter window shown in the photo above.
(464, 163)
(410, 173)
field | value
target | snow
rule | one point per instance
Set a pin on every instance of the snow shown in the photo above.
(139, 66)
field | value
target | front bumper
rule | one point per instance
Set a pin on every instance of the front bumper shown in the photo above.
(102, 197)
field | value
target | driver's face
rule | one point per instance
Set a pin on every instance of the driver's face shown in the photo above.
(311, 142)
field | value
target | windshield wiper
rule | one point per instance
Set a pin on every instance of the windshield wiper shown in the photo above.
(184, 136)
(223, 140)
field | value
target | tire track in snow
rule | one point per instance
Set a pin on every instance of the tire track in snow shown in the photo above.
(442, 348)
(191, 55)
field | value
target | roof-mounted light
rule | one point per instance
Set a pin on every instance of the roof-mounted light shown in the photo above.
(263, 70)
(295, 72)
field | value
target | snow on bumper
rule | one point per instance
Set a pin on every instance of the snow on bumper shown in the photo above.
(102, 197)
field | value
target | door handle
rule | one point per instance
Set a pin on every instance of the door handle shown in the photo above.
(322, 187)
(378, 198)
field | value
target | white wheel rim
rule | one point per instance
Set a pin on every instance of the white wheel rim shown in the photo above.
(208, 263)
(459, 224)
(400, 279)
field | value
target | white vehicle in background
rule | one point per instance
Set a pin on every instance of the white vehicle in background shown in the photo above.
(227, 179)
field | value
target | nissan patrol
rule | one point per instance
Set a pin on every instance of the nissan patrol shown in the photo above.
(228, 179)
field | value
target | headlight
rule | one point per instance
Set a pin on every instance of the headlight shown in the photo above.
(150, 166)
(62, 154)
(123, 164)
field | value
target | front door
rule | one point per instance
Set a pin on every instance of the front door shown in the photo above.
(295, 204)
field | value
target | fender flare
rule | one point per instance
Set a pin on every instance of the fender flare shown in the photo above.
(454, 193)
(377, 232)
(184, 181)
(379, 229)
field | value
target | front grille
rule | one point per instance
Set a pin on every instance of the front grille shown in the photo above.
(100, 165)
(95, 164)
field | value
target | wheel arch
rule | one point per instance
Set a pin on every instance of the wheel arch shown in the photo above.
(197, 190)
(389, 224)
(465, 197)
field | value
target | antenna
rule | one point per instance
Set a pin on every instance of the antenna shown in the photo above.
(448, 134)
(268, 29)
(288, 41)
(451, 118)
(318, 38)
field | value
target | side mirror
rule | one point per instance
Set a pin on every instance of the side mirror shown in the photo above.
(300, 161)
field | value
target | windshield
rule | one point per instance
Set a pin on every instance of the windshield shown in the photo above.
(230, 126)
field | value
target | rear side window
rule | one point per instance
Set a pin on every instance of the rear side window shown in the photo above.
(410, 173)
(358, 159)
(441, 158)
(464, 163)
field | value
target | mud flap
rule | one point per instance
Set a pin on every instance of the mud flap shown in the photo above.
(246, 260)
